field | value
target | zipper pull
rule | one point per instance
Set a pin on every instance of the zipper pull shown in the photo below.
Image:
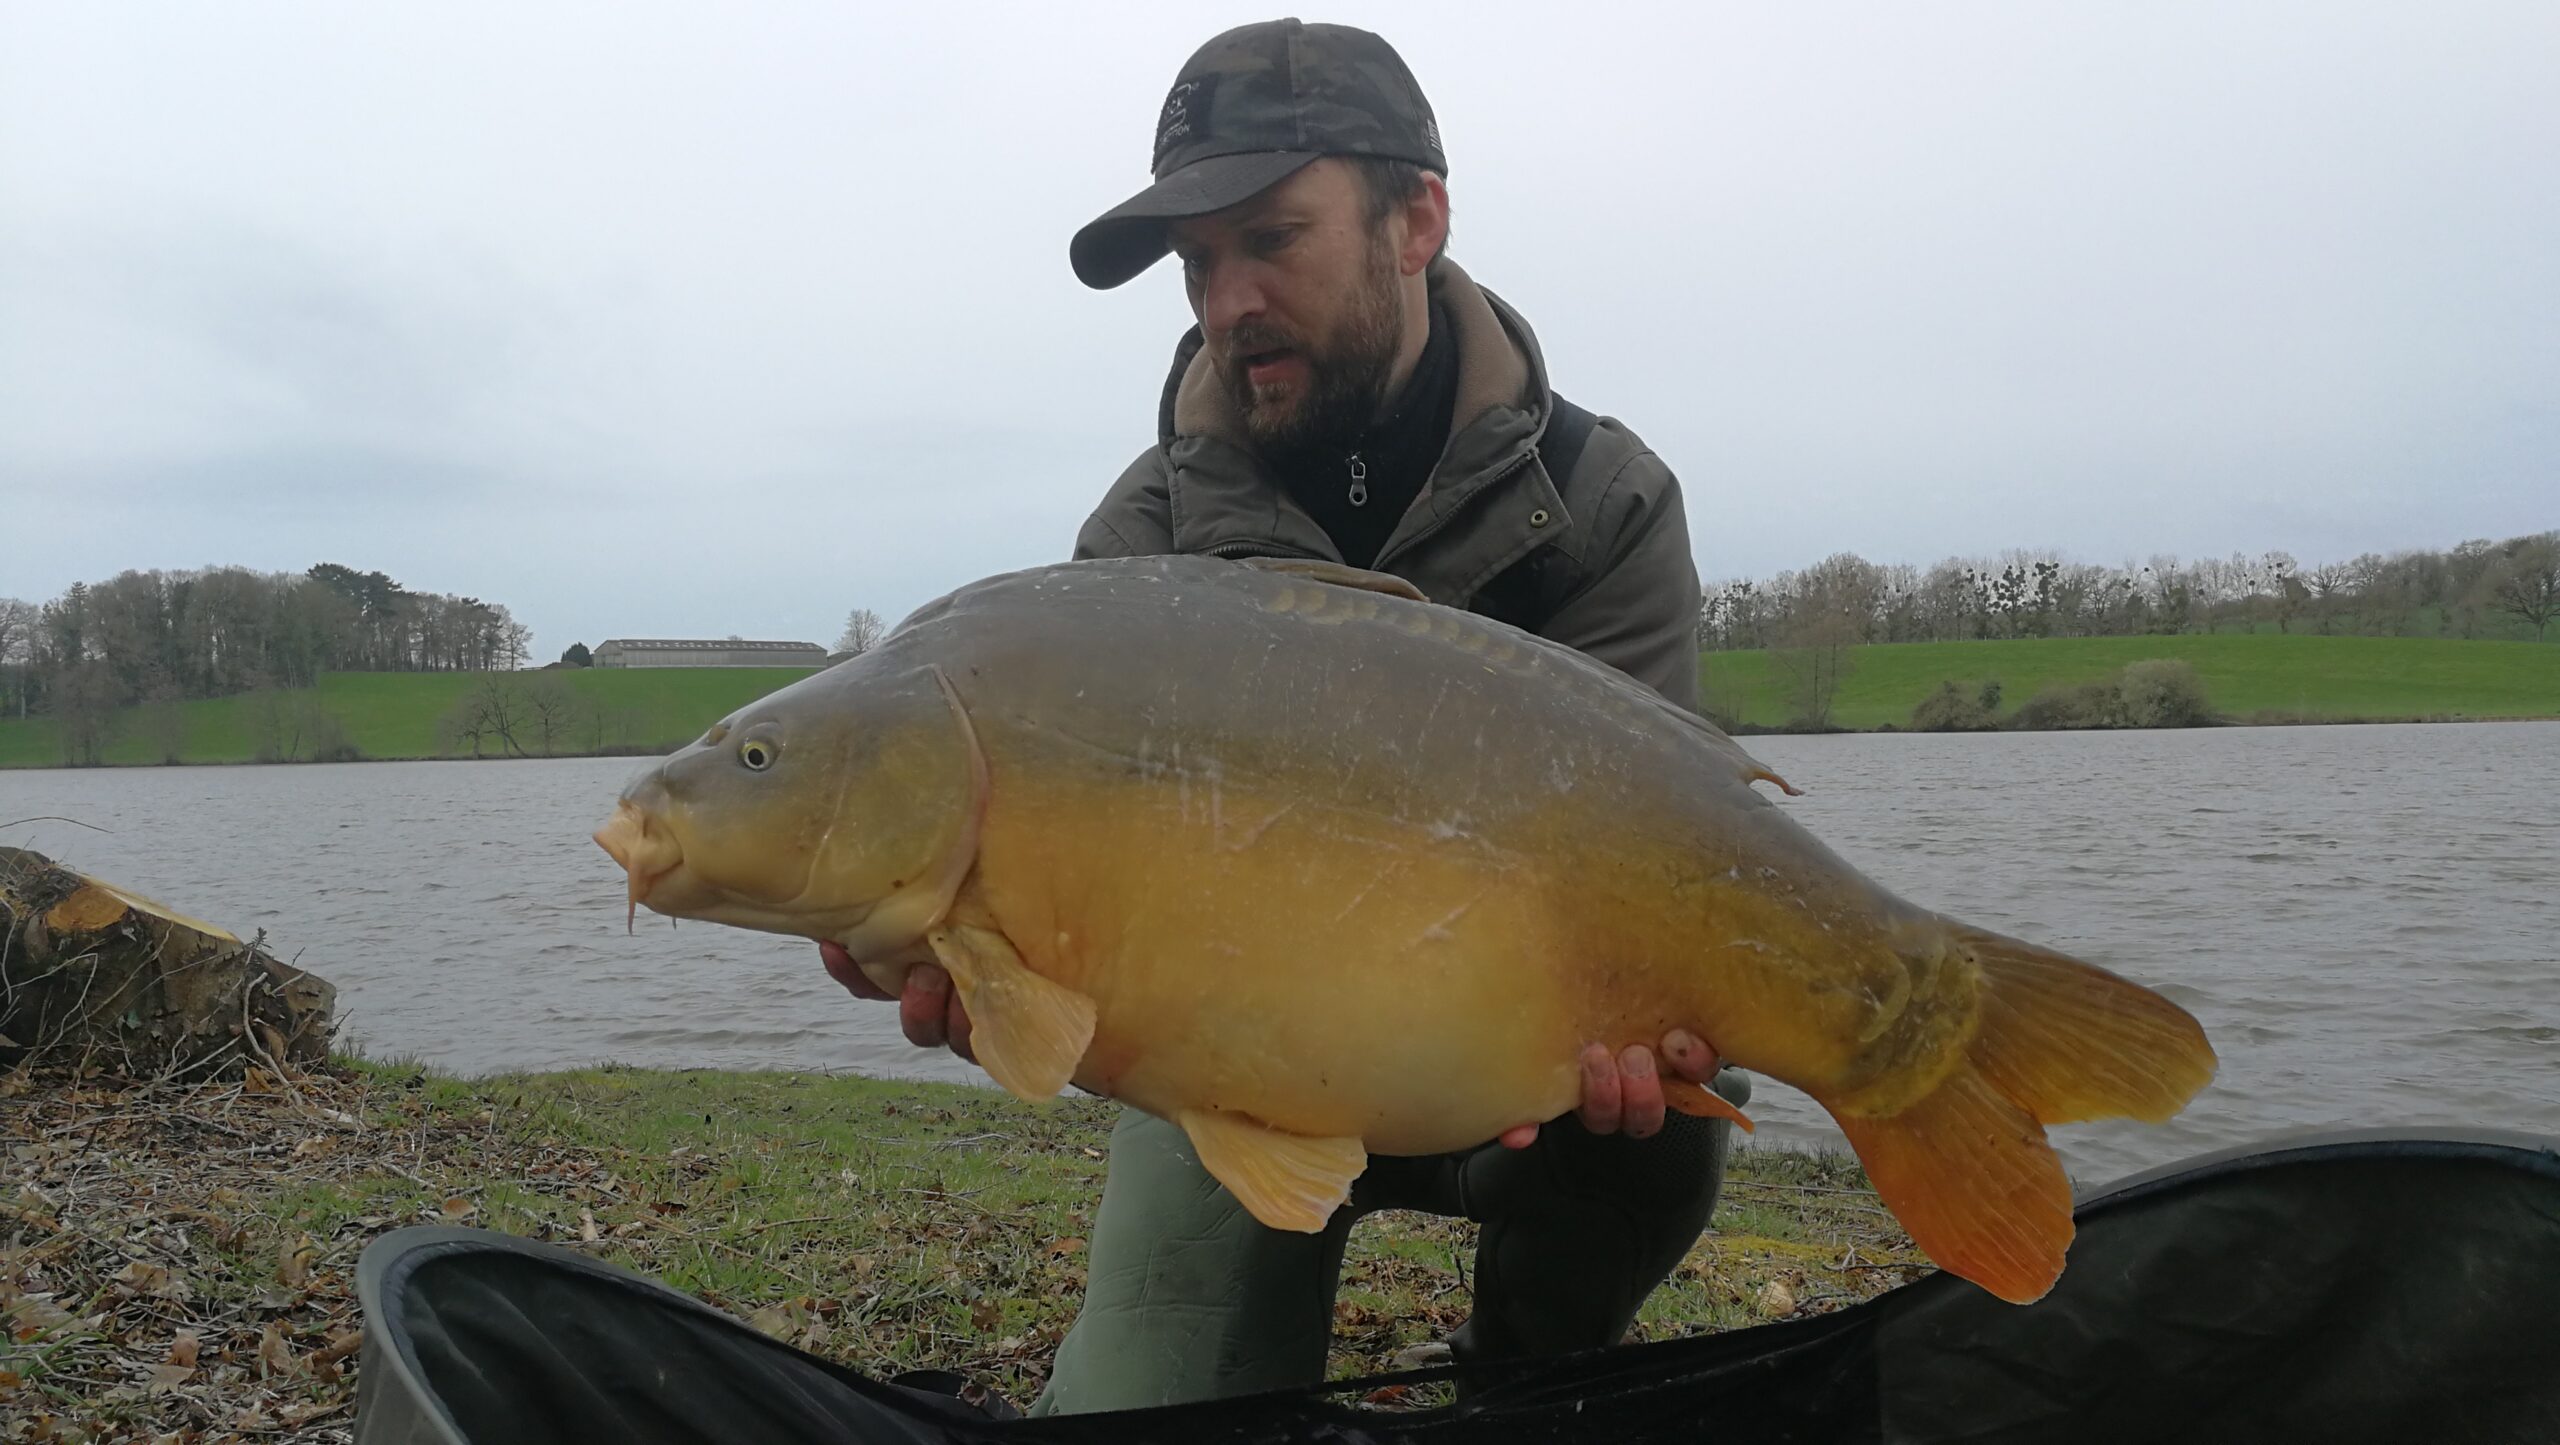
(1359, 481)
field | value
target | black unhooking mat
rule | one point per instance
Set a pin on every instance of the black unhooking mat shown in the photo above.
(2388, 1286)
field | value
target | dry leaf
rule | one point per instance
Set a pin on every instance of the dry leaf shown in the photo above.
(341, 1345)
(458, 1209)
(294, 1270)
(1065, 1247)
(275, 1357)
(771, 1320)
(165, 1378)
(986, 1314)
(1777, 1299)
(587, 1226)
(182, 1350)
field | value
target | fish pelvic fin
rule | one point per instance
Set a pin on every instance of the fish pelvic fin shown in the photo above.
(1029, 1032)
(1702, 1102)
(1287, 1181)
(1967, 1168)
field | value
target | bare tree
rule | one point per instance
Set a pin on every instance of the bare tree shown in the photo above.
(1813, 657)
(2526, 582)
(17, 652)
(554, 711)
(862, 629)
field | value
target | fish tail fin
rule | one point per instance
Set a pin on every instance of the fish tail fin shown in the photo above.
(1967, 1169)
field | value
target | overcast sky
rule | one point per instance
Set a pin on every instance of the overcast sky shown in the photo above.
(709, 319)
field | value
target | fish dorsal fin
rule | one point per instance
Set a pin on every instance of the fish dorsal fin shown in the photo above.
(1287, 1181)
(1339, 574)
(1029, 1032)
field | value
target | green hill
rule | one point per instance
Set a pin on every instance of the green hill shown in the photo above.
(395, 714)
(2342, 678)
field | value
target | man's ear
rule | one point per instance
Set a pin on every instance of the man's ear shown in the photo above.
(1426, 225)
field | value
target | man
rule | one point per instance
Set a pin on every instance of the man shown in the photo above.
(1349, 394)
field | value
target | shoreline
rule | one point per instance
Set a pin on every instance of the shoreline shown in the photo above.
(206, 1280)
(1738, 730)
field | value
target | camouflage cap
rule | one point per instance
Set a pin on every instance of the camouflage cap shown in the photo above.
(1250, 108)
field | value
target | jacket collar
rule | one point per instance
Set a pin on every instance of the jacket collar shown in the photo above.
(1489, 475)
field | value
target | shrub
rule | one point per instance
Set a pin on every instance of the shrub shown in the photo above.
(2087, 705)
(2163, 692)
(1953, 710)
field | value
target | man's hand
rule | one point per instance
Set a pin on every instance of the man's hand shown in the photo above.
(1622, 1093)
(928, 1009)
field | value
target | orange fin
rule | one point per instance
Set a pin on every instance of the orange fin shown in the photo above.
(1287, 1181)
(2069, 1041)
(1970, 1175)
(1028, 1032)
(1703, 1102)
(1967, 1169)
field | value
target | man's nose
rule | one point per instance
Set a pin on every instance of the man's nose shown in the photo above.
(1230, 295)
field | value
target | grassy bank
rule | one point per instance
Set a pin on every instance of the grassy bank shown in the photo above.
(2298, 678)
(2248, 677)
(182, 1258)
(395, 714)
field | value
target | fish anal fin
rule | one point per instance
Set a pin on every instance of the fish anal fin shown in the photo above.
(1702, 1102)
(1287, 1181)
(1970, 1176)
(2068, 1041)
(1339, 574)
(1029, 1032)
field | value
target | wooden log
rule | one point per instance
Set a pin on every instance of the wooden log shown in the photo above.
(89, 968)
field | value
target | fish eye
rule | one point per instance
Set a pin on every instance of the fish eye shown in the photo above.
(757, 754)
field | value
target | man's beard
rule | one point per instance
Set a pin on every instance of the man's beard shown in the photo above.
(1346, 379)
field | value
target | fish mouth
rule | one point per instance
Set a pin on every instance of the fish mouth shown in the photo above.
(646, 850)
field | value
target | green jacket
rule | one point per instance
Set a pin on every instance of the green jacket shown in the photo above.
(1607, 570)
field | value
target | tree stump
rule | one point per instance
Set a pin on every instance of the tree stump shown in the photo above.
(90, 969)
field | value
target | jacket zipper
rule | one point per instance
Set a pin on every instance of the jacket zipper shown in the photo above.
(1359, 481)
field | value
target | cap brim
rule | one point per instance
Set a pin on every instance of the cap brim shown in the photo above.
(1130, 237)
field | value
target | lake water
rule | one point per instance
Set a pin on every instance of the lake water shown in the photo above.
(2366, 919)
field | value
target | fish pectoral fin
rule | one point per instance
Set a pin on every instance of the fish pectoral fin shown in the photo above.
(1704, 1103)
(1970, 1176)
(1339, 574)
(1288, 1181)
(1029, 1032)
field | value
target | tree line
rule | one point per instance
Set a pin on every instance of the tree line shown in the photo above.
(155, 638)
(2478, 588)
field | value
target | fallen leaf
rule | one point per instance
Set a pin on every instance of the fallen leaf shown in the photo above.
(341, 1345)
(294, 1269)
(165, 1378)
(275, 1357)
(772, 1320)
(587, 1226)
(1776, 1299)
(666, 1206)
(182, 1350)
(457, 1208)
(986, 1314)
(1065, 1247)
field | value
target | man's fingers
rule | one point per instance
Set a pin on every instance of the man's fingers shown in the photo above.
(956, 1024)
(1690, 1056)
(1600, 1100)
(1639, 1093)
(922, 1007)
(1519, 1136)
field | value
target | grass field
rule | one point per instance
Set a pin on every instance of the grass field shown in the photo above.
(886, 1226)
(2243, 674)
(393, 715)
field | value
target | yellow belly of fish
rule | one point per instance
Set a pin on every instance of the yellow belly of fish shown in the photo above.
(1329, 977)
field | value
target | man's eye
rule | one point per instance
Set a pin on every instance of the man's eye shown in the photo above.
(1272, 240)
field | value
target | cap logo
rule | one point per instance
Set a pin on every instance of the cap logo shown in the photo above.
(1186, 110)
